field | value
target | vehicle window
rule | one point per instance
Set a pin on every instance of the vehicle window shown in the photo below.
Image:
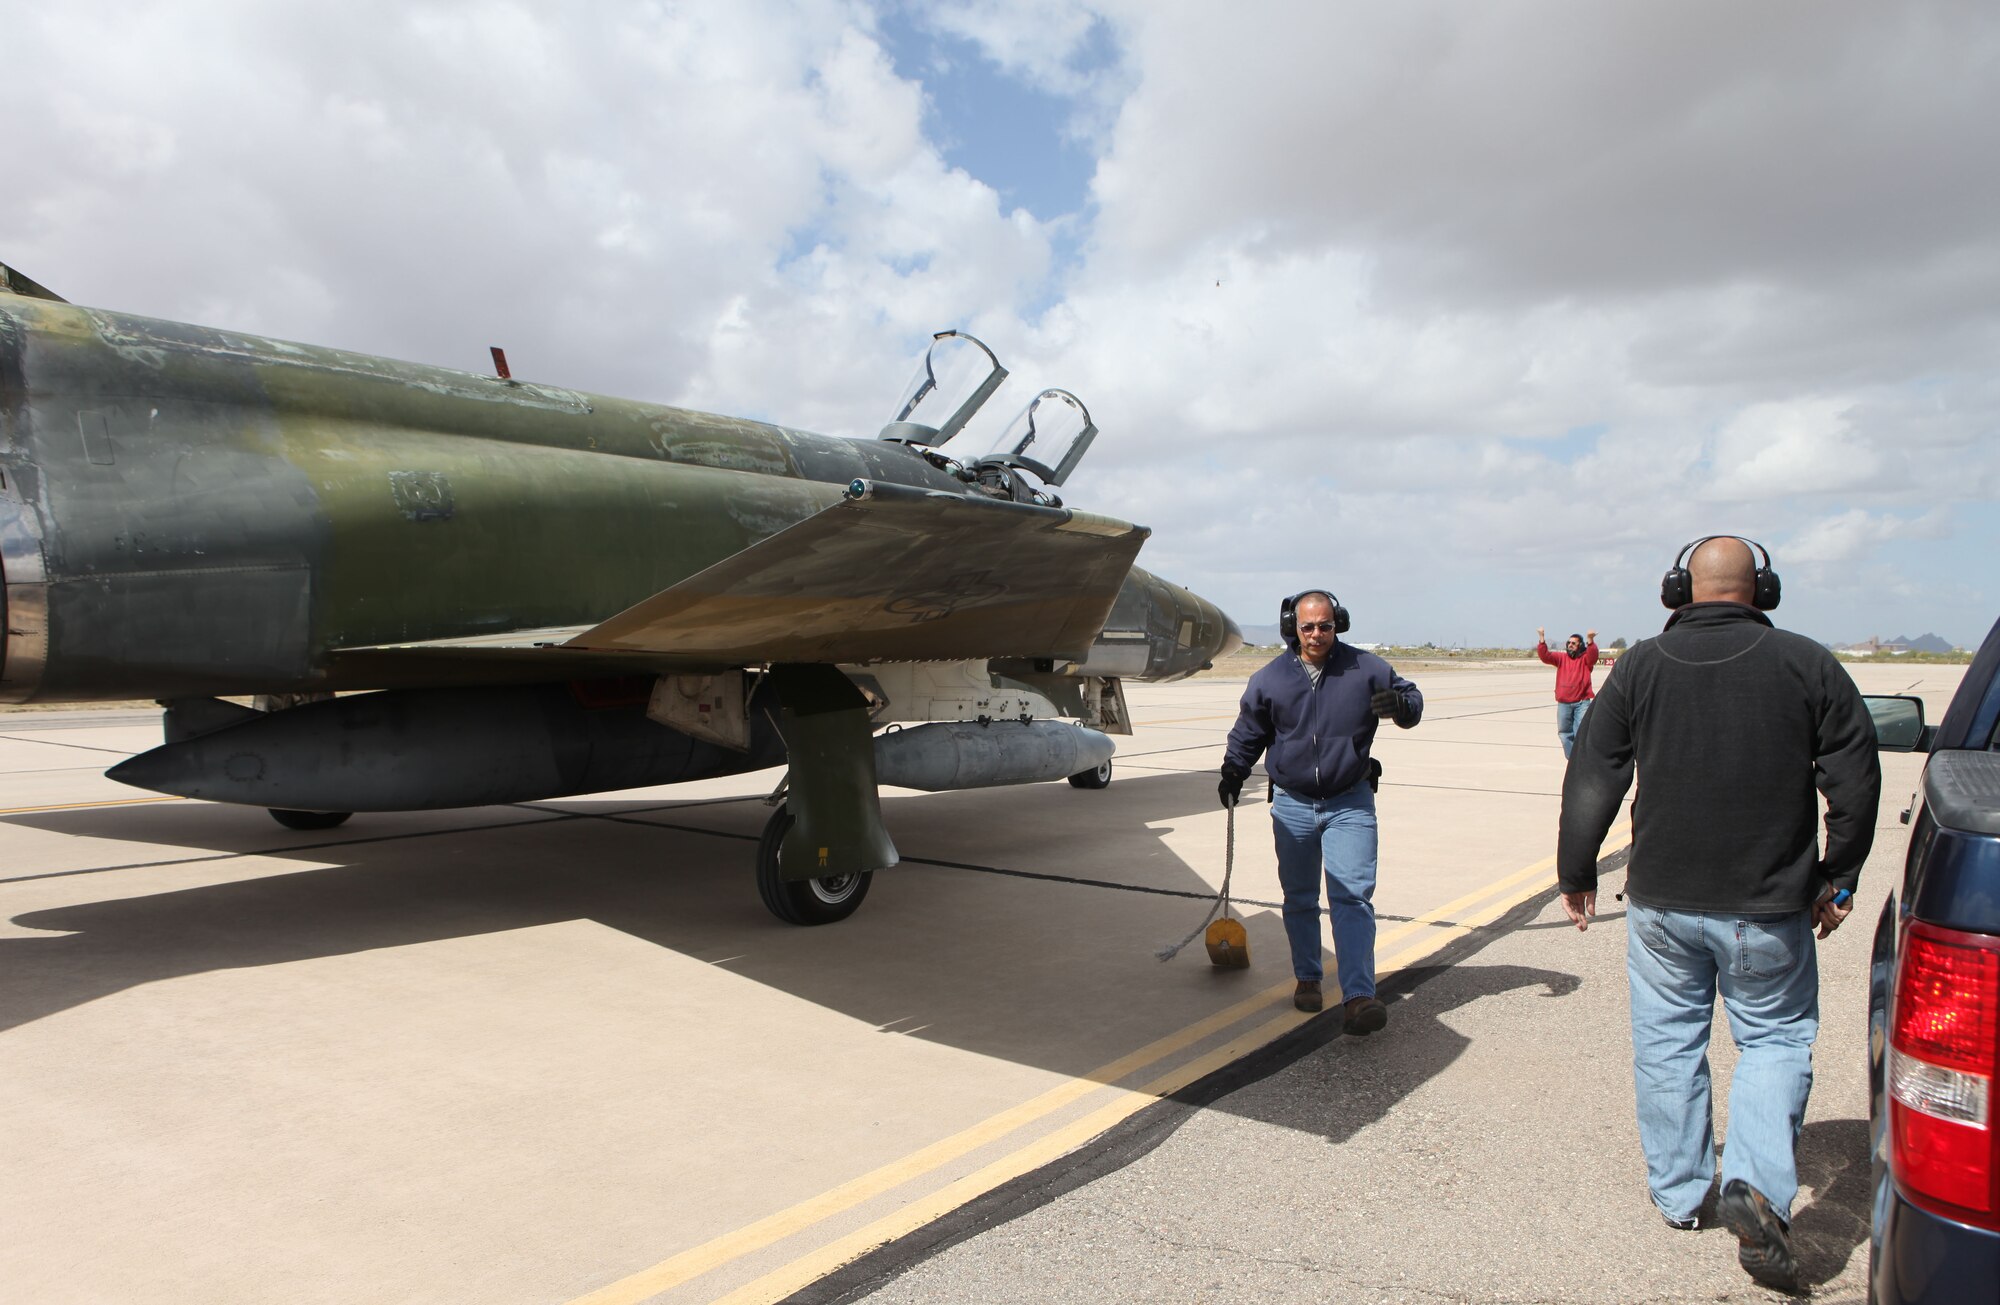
(1983, 733)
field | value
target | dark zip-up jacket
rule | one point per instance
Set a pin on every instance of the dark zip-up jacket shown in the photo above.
(1732, 725)
(1315, 738)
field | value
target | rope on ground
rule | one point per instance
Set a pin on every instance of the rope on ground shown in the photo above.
(1221, 898)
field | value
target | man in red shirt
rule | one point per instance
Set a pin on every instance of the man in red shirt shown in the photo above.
(1573, 691)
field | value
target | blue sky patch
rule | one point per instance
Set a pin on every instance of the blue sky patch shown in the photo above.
(1013, 136)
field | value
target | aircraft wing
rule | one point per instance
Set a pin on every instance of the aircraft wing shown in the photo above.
(889, 573)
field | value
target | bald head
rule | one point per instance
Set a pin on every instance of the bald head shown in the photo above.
(1723, 571)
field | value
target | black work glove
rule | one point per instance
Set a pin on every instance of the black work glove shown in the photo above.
(1386, 703)
(1231, 787)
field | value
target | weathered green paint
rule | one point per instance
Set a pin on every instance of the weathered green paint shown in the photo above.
(193, 487)
(186, 511)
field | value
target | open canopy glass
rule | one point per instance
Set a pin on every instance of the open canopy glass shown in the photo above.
(1049, 437)
(958, 374)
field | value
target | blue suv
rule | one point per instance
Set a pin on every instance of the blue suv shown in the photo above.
(1934, 1010)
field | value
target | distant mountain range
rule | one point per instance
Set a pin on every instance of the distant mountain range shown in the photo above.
(1923, 643)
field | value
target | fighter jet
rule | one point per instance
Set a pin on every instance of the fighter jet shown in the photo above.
(357, 584)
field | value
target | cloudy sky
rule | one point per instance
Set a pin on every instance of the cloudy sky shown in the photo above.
(1474, 312)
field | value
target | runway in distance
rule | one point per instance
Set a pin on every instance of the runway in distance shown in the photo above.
(520, 591)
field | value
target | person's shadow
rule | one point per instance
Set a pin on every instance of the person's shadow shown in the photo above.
(1425, 1046)
(1834, 1161)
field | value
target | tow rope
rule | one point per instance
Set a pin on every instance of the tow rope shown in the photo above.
(1228, 944)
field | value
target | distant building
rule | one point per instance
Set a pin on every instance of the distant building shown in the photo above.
(1870, 646)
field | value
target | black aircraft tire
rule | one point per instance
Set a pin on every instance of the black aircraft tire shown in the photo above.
(308, 820)
(805, 902)
(1098, 778)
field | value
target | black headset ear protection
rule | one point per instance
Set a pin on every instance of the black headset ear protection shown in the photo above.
(1677, 586)
(1288, 613)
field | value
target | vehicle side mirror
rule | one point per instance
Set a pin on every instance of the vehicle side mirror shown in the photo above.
(1899, 723)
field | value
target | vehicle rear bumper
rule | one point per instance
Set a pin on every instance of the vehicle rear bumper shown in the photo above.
(1924, 1259)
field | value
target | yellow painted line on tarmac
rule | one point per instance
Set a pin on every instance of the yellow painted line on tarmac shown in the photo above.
(712, 1254)
(1441, 917)
(773, 1228)
(802, 1272)
(77, 806)
(1537, 877)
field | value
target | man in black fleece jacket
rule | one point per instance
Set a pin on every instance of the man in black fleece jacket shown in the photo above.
(1732, 724)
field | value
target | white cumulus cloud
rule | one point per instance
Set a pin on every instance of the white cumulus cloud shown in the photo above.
(1474, 310)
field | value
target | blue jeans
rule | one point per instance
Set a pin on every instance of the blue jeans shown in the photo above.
(1337, 835)
(1767, 968)
(1569, 719)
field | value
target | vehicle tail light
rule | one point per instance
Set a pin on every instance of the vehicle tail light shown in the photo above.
(1944, 1043)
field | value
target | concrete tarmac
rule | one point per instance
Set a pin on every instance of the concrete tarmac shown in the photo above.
(558, 1051)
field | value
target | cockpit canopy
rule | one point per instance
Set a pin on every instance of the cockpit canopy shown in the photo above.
(957, 376)
(1049, 437)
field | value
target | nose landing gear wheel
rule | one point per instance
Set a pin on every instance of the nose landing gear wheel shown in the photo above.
(1097, 777)
(308, 819)
(805, 901)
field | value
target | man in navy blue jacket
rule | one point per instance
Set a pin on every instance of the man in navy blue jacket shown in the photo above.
(1311, 713)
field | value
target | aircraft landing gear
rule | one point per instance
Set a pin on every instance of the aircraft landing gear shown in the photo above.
(308, 820)
(1096, 777)
(805, 901)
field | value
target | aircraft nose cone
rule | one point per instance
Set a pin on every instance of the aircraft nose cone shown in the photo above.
(1232, 638)
(1215, 635)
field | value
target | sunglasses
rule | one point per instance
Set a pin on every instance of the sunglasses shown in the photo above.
(1315, 627)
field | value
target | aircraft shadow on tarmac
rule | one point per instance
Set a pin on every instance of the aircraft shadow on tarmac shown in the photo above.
(982, 961)
(986, 961)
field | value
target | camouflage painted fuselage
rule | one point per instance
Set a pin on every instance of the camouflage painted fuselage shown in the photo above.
(188, 511)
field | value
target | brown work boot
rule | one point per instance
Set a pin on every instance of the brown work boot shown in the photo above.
(1764, 1246)
(1364, 1015)
(1306, 996)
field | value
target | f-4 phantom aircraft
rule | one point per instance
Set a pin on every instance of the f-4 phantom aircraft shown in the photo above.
(520, 592)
